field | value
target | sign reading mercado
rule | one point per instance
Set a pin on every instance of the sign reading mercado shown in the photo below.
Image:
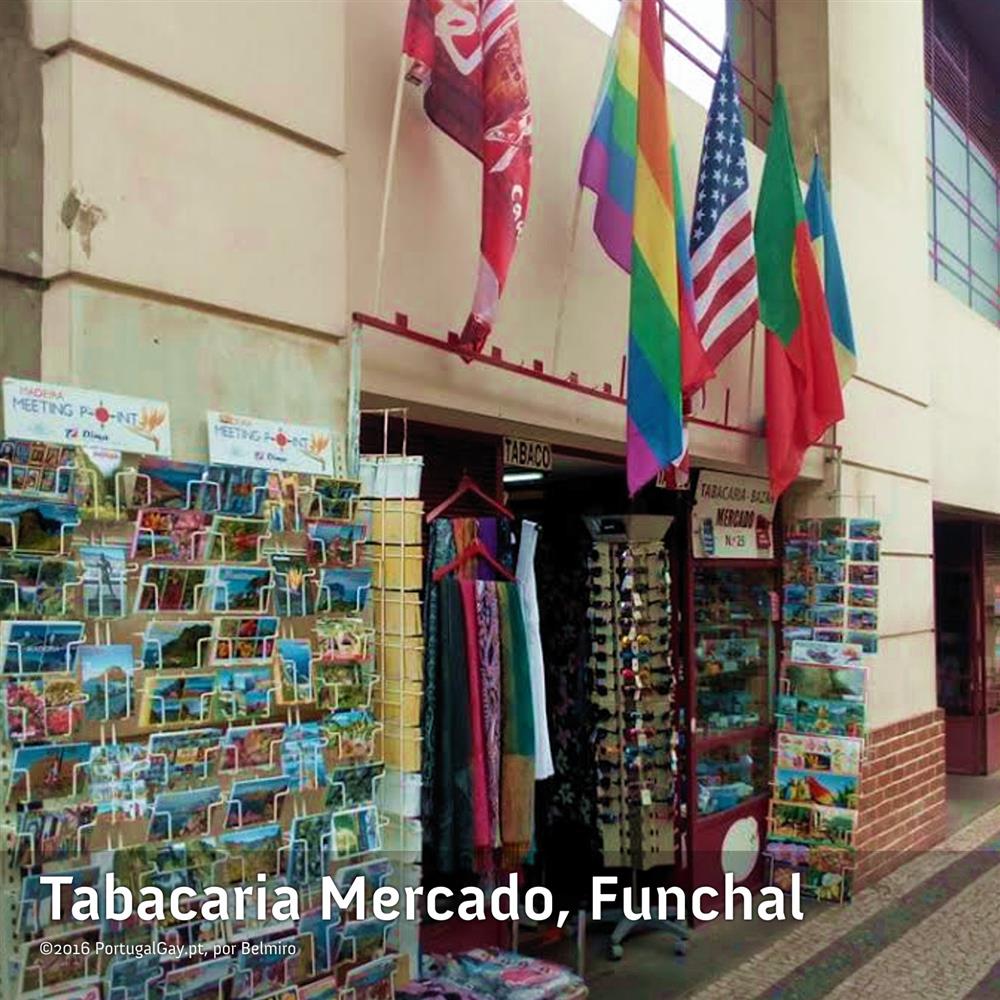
(733, 517)
(269, 444)
(66, 414)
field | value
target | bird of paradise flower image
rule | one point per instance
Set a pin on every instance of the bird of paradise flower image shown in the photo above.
(318, 444)
(149, 421)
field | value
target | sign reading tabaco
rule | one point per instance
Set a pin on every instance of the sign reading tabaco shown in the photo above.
(733, 517)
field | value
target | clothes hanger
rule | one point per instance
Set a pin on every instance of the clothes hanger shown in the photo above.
(474, 551)
(468, 485)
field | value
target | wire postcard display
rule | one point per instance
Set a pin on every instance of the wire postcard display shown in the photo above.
(190, 697)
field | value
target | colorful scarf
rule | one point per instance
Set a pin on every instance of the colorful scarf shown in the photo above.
(477, 763)
(441, 551)
(465, 529)
(487, 614)
(517, 776)
(453, 820)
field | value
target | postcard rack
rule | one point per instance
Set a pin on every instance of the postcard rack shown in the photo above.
(393, 514)
(830, 620)
(190, 696)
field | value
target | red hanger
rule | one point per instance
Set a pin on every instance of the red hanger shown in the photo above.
(474, 551)
(468, 485)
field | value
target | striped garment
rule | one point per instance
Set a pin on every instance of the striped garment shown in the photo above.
(630, 163)
(722, 250)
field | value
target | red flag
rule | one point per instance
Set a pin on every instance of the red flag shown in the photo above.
(801, 382)
(467, 54)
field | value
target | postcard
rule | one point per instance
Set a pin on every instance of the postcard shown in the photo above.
(335, 542)
(350, 733)
(828, 593)
(825, 572)
(42, 707)
(32, 586)
(129, 978)
(822, 716)
(251, 850)
(823, 789)
(293, 669)
(862, 597)
(833, 825)
(46, 835)
(797, 615)
(243, 692)
(196, 982)
(252, 746)
(79, 991)
(309, 849)
(104, 580)
(862, 619)
(170, 534)
(796, 593)
(170, 587)
(188, 755)
(829, 548)
(373, 980)
(302, 759)
(344, 590)
(354, 785)
(47, 771)
(334, 498)
(239, 588)
(864, 530)
(325, 934)
(344, 639)
(797, 632)
(826, 654)
(174, 645)
(819, 753)
(162, 482)
(35, 910)
(236, 539)
(827, 615)
(326, 988)
(281, 508)
(106, 677)
(294, 581)
(791, 822)
(832, 527)
(864, 551)
(37, 525)
(375, 874)
(828, 635)
(240, 490)
(865, 574)
(117, 776)
(256, 800)
(244, 640)
(177, 815)
(831, 682)
(28, 647)
(343, 685)
(36, 466)
(868, 641)
(172, 698)
(49, 962)
(362, 941)
(356, 831)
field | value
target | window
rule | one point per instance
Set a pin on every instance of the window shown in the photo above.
(963, 153)
(751, 33)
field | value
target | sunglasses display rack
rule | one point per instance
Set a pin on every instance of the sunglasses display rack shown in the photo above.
(633, 693)
(189, 676)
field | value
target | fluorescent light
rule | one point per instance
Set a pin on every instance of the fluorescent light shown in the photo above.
(522, 477)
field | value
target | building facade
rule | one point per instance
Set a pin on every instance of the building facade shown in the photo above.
(193, 196)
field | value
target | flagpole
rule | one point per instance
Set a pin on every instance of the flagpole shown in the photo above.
(564, 290)
(387, 186)
(753, 358)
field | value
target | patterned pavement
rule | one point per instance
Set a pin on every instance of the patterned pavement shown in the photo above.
(930, 929)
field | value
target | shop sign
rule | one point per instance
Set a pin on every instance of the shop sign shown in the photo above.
(64, 414)
(524, 454)
(269, 444)
(733, 517)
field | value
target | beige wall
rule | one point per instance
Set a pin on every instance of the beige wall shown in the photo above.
(194, 206)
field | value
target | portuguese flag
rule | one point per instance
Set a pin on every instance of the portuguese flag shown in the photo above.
(801, 386)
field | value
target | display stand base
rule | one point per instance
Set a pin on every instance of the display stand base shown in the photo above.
(625, 927)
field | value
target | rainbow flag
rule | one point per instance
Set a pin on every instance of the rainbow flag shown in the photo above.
(630, 163)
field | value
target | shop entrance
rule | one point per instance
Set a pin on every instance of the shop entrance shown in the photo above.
(967, 612)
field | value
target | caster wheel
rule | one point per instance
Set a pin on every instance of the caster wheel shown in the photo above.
(615, 952)
(680, 947)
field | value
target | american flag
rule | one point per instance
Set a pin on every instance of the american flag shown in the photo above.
(722, 254)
